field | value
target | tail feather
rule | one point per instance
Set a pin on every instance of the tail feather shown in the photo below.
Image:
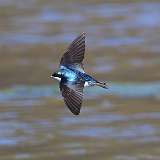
(102, 84)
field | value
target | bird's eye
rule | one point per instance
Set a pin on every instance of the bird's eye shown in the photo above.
(54, 75)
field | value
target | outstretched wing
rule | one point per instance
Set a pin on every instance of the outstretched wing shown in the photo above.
(75, 53)
(73, 96)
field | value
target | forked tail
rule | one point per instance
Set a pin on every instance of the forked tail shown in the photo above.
(102, 84)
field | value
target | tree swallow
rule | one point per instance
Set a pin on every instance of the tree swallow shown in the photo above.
(72, 76)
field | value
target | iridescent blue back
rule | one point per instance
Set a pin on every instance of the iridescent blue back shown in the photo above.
(69, 74)
(72, 75)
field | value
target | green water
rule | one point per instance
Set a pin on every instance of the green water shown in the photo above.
(121, 123)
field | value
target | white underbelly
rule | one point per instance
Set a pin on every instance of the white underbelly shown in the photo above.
(86, 84)
(57, 78)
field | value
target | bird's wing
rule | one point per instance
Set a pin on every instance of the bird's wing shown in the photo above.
(75, 53)
(73, 96)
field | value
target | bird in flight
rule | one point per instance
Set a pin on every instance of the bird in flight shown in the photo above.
(72, 76)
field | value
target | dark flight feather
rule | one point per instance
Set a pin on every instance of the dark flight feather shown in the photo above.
(73, 96)
(75, 53)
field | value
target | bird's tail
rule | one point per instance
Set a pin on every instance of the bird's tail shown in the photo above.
(102, 84)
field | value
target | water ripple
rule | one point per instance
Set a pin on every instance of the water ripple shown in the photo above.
(132, 131)
(109, 118)
(131, 90)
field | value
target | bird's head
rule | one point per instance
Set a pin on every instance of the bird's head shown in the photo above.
(56, 75)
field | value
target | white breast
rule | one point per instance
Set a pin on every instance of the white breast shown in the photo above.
(57, 78)
(86, 84)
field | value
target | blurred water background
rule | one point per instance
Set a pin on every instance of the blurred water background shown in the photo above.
(123, 47)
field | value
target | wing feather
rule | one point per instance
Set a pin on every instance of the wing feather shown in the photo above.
(73, 96)
(75, 52)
